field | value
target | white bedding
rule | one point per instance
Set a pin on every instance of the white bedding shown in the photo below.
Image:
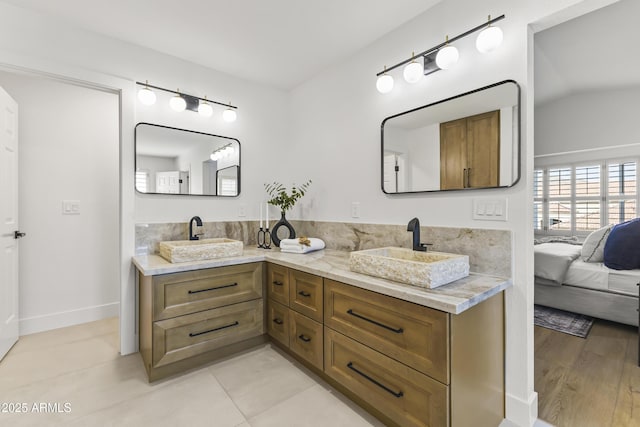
(594, 275)
(552, 260)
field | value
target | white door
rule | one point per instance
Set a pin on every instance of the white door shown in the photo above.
(9, 233)
(168, 182)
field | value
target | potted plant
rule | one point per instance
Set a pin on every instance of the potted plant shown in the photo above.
(280, 197)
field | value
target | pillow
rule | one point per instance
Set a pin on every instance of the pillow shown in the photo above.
(593, 246)
(622, 249)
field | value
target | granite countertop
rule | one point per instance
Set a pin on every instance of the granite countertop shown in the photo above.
(454, 298)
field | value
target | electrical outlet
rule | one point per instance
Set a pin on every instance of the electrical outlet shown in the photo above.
(355, 209)
(242, 211)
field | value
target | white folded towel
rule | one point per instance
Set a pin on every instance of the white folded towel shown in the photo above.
(295, 246)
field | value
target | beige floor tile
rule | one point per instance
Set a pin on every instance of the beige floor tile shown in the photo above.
(56, 337)
(258, 380)
(315, 407)
(196, 399)
(86, 390)
(21, 368)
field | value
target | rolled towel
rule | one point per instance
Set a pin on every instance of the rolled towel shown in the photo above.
(301, 245)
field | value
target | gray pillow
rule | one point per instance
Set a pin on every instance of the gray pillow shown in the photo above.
(593, 246)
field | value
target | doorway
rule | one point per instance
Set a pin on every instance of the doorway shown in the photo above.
(69, 201)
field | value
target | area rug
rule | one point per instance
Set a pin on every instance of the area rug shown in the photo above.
(575, 324)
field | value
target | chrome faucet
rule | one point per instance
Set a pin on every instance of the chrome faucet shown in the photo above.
(199, 224)
(414, 225)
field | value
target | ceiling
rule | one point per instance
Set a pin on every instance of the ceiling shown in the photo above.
(598, 50)
(281, 43)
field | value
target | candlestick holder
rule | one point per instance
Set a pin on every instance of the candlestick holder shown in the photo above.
(264, 238)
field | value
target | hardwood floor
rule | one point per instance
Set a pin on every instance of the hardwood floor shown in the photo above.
(588, 382)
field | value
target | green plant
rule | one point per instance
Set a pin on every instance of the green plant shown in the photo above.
(282, 199)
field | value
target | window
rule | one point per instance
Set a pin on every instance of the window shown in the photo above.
(142, 181)
(577, 199)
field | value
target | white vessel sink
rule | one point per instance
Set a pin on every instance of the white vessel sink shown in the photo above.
(424, 269)
(199, 250)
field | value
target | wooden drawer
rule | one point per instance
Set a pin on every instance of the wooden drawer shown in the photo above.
(305, 338)
(407, 396)
(278, 283)
(278, 322)
(305, 294)
(181, 337)
(412, 334)
(177, 294)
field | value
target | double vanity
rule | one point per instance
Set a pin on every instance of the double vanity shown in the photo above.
(410, 355)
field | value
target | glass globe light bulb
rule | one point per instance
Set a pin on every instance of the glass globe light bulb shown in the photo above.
(147, 96)
(229, 115)
(447, 57)
(489, 39)
(177, 103)
(205, 109)
(413, 72)
(384, 83)
(214, 156)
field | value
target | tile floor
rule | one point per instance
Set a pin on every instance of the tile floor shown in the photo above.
(79, 376)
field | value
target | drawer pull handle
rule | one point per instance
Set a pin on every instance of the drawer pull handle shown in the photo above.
(236, 323)
(304, 294)
(275, 282)
(376, 382)
(213, 289)
(278, 321)
(304, 338)
(382, 325)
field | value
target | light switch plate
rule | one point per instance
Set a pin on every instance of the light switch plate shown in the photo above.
(355, 210)
(490, 209)
(71, 207)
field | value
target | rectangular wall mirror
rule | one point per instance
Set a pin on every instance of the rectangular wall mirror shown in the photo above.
(179, 161)
(469, 141)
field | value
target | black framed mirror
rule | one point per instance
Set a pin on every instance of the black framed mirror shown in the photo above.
(184, 162)
(469, 141)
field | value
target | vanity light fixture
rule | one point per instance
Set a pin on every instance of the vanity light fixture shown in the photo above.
(384, 84)
(442, 56)
(447, 56)
(205, 109)
(414, 70)
(177, 102)
(146, 95)
(489, 38)
(181, 101)
(229, 115)
(220, 152)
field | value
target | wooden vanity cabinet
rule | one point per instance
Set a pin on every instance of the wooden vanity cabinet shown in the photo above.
(296, 324)
(416, 365)
(193, 317)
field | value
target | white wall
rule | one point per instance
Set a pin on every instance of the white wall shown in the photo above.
(594, 120)
(68, 150)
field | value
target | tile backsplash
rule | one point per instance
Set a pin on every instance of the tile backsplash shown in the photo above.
(489, 250)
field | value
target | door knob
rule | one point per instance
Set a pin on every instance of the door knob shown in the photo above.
(18, 234)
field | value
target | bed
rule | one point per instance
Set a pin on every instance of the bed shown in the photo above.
(565, 281)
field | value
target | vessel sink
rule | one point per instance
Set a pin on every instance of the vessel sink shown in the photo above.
(199, 250)
(424, 269)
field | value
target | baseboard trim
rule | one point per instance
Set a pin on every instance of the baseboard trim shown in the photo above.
(47, 322)
(520, 412)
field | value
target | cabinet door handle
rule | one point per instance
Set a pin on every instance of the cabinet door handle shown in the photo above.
(375, 322)
(376, 382)
(275, 282)
(278, 321)
(464, 178)
(304, 338)
(468, 177)
(195, 334)
(304, 294)
(213, 289)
